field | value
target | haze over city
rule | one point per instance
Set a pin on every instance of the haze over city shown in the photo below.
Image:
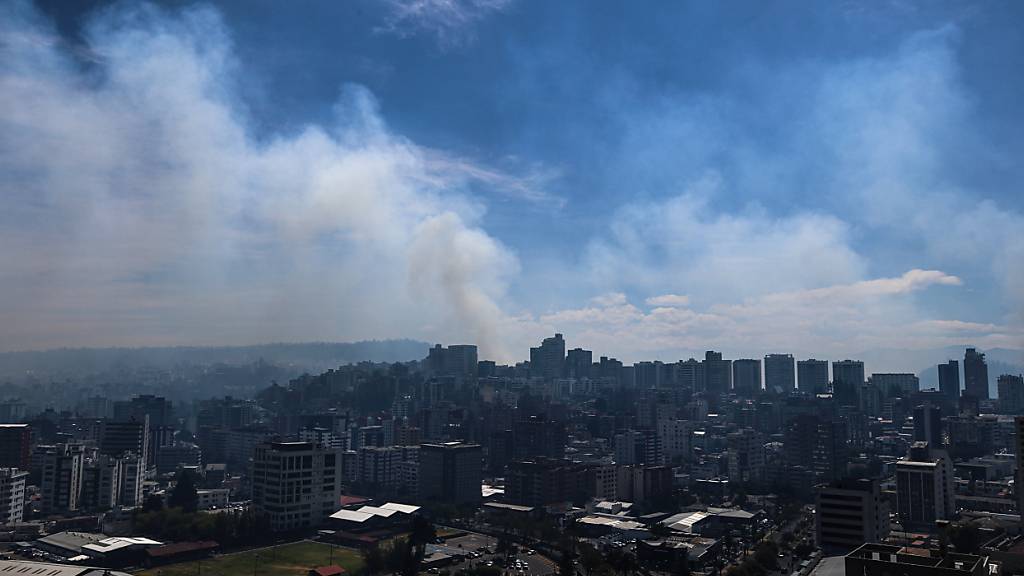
(511, 288)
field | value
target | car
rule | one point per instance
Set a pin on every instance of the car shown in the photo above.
(529, 552)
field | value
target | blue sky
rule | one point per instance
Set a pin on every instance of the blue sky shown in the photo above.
(650, 179)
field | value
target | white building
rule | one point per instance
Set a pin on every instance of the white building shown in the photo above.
(12, 495)
(295, 484)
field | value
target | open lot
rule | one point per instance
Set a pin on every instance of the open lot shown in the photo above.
(287, 559)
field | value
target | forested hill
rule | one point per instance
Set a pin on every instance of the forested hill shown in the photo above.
(307, 356)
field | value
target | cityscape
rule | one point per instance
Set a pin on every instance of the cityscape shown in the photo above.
(562, 462)
(511, 288)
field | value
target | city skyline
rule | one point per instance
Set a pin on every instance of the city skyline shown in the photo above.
(459, 174)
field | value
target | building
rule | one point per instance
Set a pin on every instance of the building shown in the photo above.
(746, 377)
(102, 480)
(60, 481)
(928, 425)
(779, 373)
(1018, 424)
(746, 456)
(116, 437)
(849, 513)
(538, 436)
(1011, 393)
(171, 458)
(638, 447)
(885, 560)
(295, 484)
(924, 488)
(675, 436)
(975, 375)
(12, 495)
(386, 467)
(457, 360)
(643, 484)
(548, 360)
(578, 363)
(547, 481)
(717, 373)
(847, 381)
(450, 472)
(157, 409)
(15, 446)
(812, 376)
(816, 444)
(896, 385)
(690, 374)
(949, 382)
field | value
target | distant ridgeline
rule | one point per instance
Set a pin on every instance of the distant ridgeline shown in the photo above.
(310, 356)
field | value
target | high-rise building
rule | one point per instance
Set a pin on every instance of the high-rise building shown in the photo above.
(638, 447)
(60, 481)
(1011, 393)
(717, 373)
(779, 373)
(949, 382)
(578, 362)
(548, 360)
(746, 456)
(851, 371)
(847, 381)
(849, 513)
(676, 436)
(746, 377)
(15, 446)
(295, 484)
(450, 472)
(12, 495)
(975, 374)
(102, 483)
(457, 360)
(812, 376)
(901, 385)
(924, 488)
(117, 437)
(818, 444)
(690, 374)
(928, 425)
(157, 409)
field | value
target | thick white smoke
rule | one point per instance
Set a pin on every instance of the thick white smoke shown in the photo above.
(137, 208)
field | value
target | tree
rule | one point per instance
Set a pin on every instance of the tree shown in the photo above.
(373, 559)
(591, 559)
(184, 494)
(153, 503)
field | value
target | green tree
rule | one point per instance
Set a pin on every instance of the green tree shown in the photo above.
(184, 494)
(373, 560)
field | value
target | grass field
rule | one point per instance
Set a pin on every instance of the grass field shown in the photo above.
(287, 560)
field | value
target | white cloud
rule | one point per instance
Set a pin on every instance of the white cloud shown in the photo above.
(450, 21)
(668, 300)
(831, 320)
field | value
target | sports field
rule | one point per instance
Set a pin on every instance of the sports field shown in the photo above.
(285, 560)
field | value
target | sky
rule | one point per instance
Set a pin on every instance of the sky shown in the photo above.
(650, 179)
